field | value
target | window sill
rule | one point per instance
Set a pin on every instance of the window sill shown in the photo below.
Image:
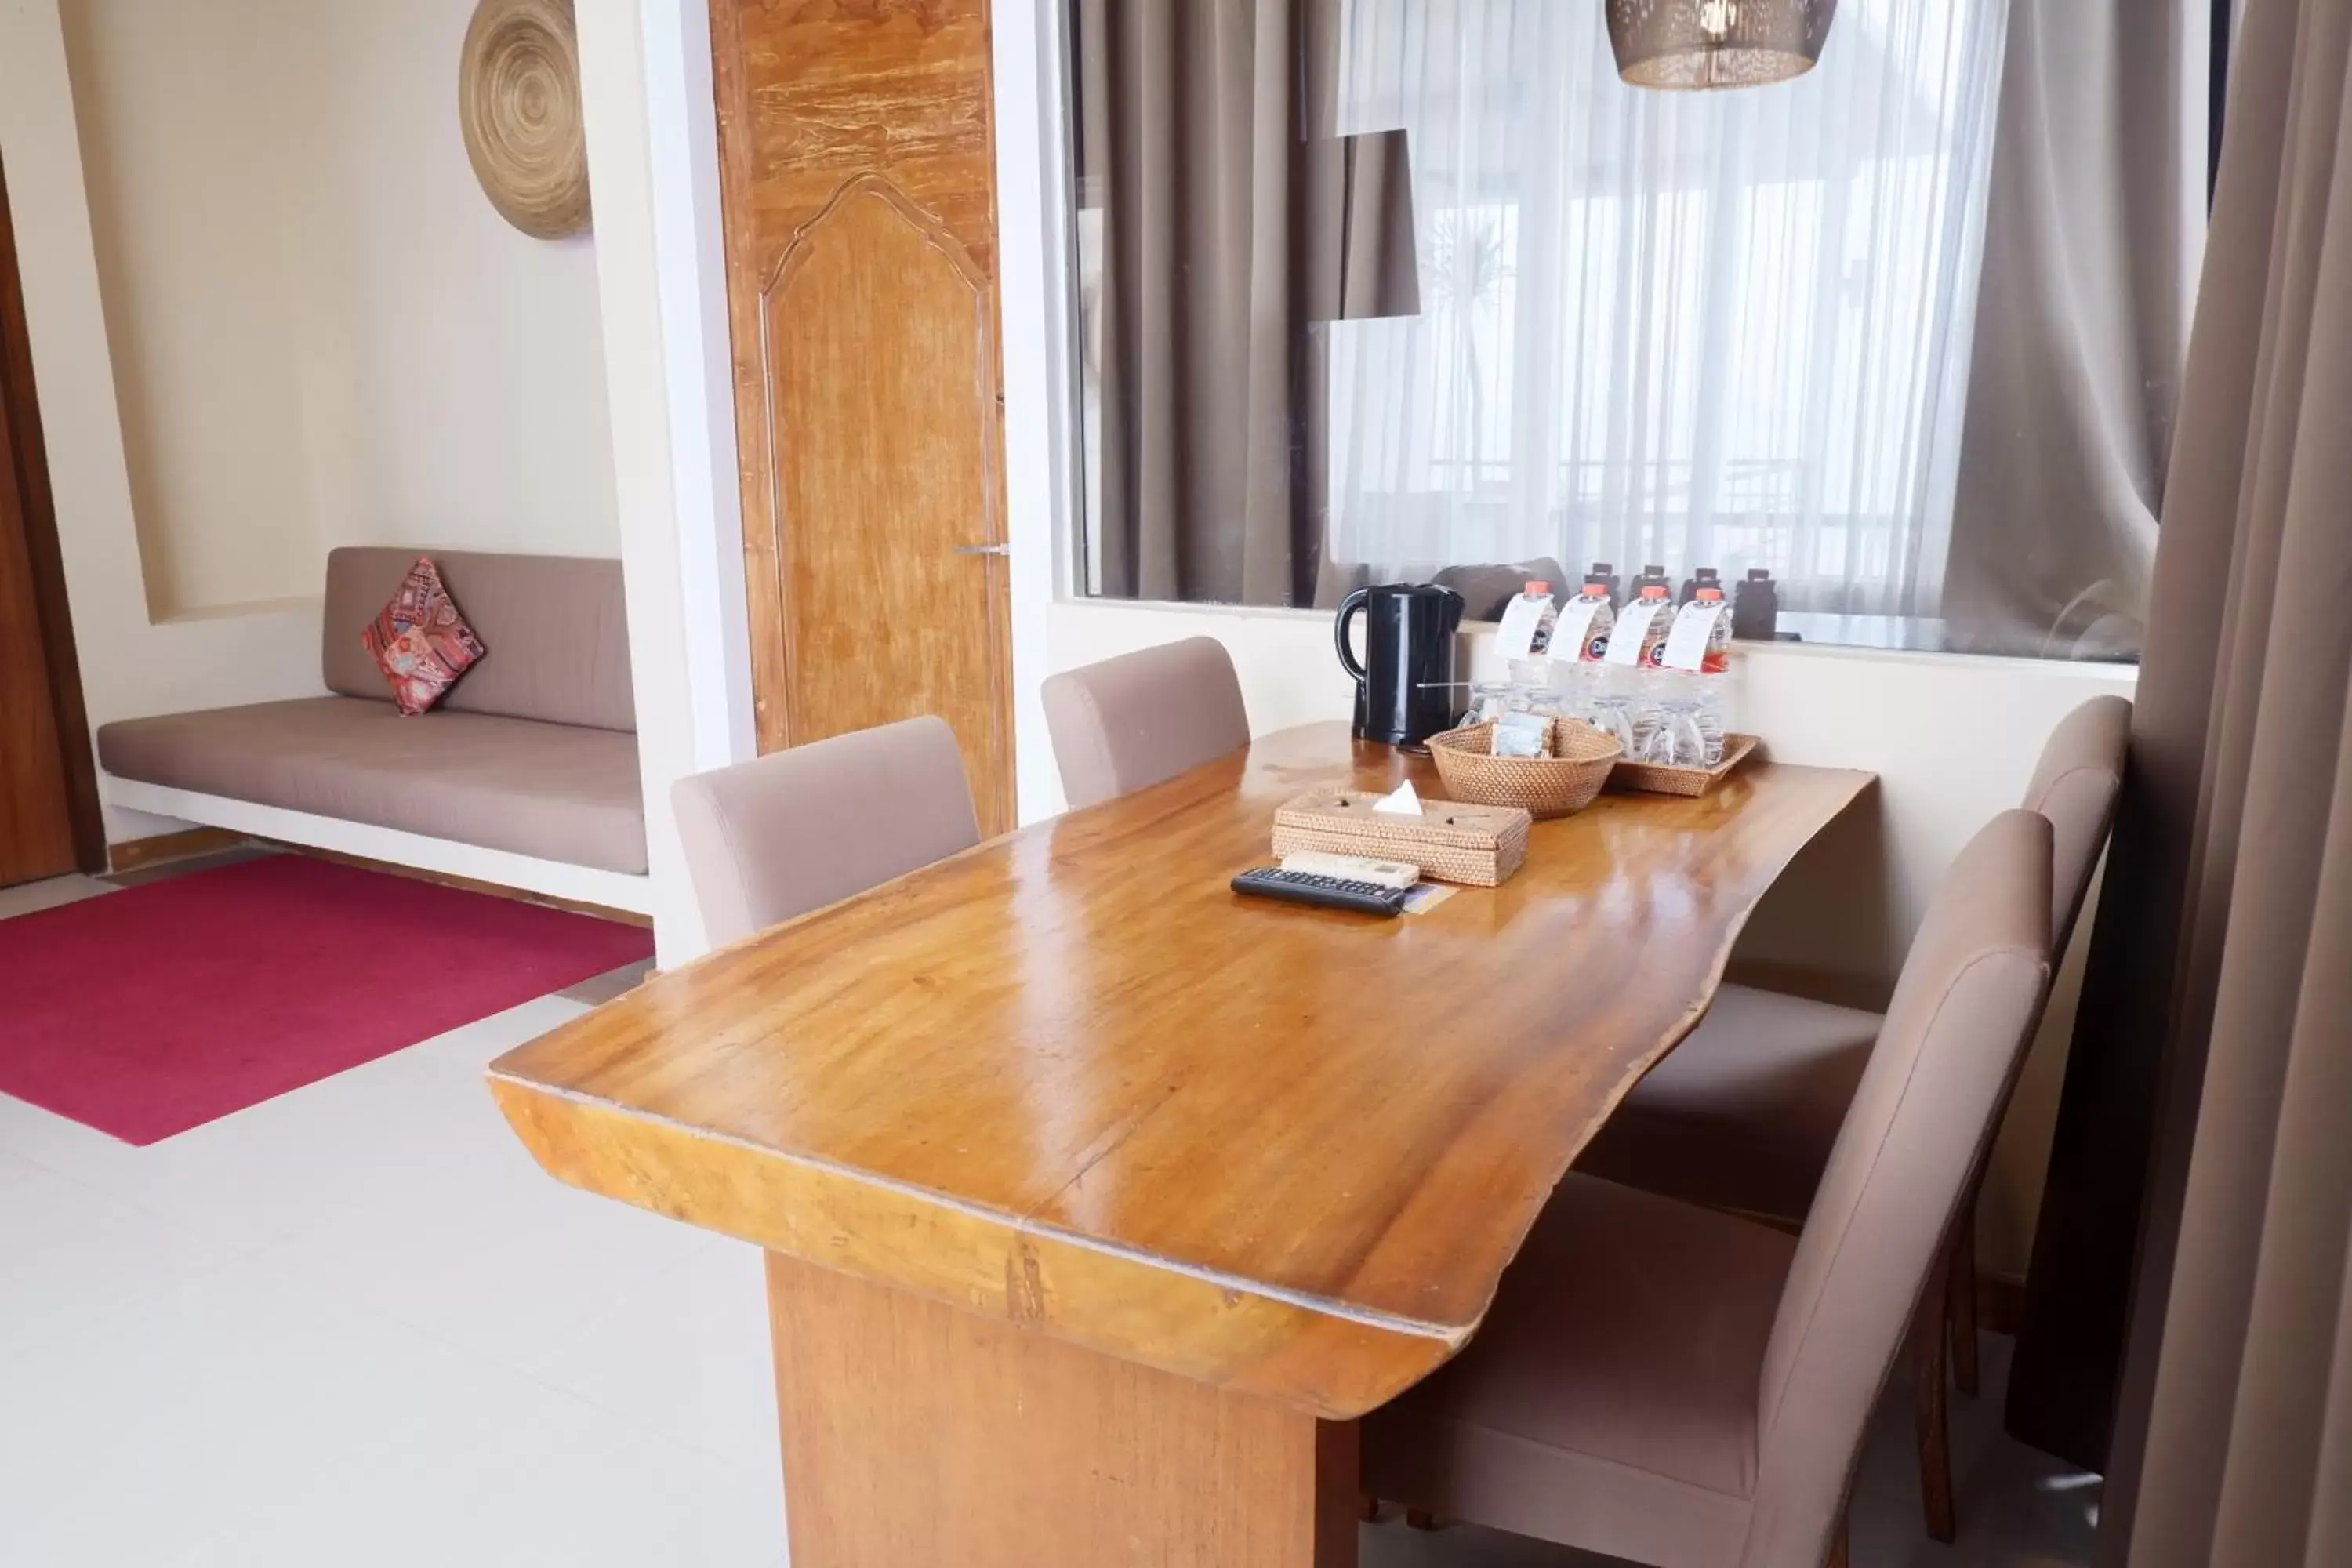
(2125, 676)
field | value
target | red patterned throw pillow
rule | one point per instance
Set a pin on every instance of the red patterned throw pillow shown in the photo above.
(420, 641)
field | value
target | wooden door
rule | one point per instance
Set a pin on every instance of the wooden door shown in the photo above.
(48, 802)
(858, 180)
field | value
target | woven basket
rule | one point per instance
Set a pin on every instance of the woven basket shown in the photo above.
(1547, 786)
(1649, 778)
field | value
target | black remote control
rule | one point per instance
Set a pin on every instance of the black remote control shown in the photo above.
(1329, 892)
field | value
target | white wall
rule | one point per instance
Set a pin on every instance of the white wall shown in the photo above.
(195, 212)
(1034, 294)
(322, 332)
(130, 665)
(650, 131)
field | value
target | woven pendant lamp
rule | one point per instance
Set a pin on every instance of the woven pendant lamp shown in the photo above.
(1695, 45)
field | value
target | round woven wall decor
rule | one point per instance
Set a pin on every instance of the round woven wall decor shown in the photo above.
(518, 102)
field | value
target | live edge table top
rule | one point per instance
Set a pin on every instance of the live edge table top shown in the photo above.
(1070, 1078)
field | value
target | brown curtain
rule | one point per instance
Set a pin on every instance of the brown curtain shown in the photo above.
(2076, 363)
(1233, 226)
(2224, 941)
(1190, 120)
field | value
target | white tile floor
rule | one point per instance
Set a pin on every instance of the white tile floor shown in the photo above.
(357, 1326)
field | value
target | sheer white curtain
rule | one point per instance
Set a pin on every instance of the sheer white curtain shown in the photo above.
(1723, 328)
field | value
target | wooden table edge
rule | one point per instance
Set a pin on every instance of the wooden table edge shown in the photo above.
(1325, 1358)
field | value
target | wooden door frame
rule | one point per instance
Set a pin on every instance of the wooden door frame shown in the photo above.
(25, 464)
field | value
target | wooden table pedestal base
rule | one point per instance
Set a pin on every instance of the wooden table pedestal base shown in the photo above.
(917, 1435)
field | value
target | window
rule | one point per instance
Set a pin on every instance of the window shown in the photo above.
(1383, 290)
(1725, 329)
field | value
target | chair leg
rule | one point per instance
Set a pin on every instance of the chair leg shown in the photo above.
(1960, 1301)
(1420, 1518)
(1929, 1367)
(1838, 1546)
(1372, 1514)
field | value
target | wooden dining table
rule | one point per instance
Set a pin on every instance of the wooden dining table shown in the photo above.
(1099, 1200)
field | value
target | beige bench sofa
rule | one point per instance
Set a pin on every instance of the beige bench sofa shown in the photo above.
(530, 762)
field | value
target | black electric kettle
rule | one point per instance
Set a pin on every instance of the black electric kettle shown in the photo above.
(1404, 687)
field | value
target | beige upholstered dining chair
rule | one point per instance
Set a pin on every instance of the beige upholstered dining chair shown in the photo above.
(1675, 1384)
(1130, 722)
(1741, 1116)
(802, 828)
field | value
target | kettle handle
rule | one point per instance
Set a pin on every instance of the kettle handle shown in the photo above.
(1349, 608)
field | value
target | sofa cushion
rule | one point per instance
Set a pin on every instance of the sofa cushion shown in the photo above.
(556, 627)
(554, 791)
(420, 641)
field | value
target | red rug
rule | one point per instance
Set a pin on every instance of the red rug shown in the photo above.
(149, 1011)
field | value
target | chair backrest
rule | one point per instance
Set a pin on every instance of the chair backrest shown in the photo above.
(2074, 785)
(799, 829)
(1487, 590)
(1133, 721)
(556, 628)
(1954, 1035)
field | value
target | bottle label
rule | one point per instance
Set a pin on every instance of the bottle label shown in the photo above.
(1522, 631)
(1573, 633)
(1628, 642)
(1686, 645)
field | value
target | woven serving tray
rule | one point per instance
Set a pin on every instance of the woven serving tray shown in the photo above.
(1477, 845)
(1651, 779)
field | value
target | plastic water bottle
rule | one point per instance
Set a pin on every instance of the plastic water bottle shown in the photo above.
(1531, 615)
(1712, 684)
(1704, 577)
(1580, 641)
(1631, 673)
(1538, 595)
(1691, 668)
(1595, 618)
